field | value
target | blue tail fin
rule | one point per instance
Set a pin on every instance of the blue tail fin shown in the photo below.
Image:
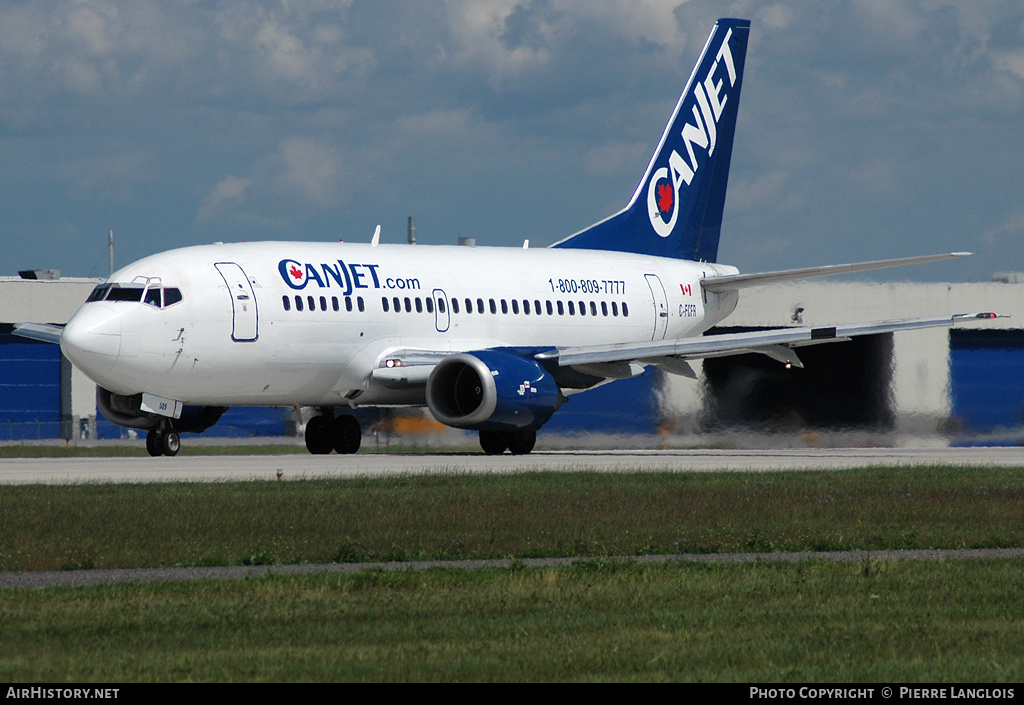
(676, 210)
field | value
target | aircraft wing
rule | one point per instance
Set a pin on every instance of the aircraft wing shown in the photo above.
(727, 282)
(44, 332)
(615, 360)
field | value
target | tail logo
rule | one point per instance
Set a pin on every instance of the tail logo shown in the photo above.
(707, 104)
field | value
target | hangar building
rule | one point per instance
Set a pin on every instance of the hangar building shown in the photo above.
(964, 382)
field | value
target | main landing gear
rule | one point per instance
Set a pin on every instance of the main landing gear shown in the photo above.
(497, 442)
(162, 441)
(326, 433)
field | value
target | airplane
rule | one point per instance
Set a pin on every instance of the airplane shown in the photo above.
(492, 340)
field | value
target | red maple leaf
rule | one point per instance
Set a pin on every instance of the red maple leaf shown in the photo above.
(295, 272)
(665, 197)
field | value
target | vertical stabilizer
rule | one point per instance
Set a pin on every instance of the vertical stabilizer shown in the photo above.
(676, 210)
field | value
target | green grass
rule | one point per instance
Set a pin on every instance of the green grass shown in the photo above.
(887, 622)
(525, 515)
(876, 621)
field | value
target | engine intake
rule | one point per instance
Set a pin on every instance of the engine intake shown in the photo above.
(491, 390)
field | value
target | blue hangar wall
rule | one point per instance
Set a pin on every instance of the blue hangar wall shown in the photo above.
(30, 388)
(986, 375)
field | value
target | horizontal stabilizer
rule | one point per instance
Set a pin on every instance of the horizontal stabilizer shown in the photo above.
(729, 282)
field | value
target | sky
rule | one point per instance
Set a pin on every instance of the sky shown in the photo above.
(868, 129)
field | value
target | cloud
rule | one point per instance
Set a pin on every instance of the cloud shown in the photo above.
(228, 193)
(330, 111)
(109, 176)
(302, 175)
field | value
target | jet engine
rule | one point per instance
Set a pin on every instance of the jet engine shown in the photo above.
(126, 410)
(493, 391)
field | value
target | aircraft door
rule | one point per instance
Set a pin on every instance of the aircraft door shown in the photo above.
(660, 306)
(442, 316)
(245, 318)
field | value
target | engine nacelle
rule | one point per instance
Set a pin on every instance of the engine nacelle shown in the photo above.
(127, 411)
(493, 391)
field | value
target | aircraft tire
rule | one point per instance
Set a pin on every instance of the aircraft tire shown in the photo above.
(493, 442)
(318, 436)
(170, 443)
(153, 443)
(522, 442)
(347, 434)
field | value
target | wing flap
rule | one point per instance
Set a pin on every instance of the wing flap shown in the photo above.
(774, 342)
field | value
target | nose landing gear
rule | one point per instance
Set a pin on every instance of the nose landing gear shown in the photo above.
(162, 440)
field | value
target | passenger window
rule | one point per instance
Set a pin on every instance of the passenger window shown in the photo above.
(455, 305)
(312, 303)
(572, 309)
(359, 303)
(494, 307)
(397, 303)
(515, 307)
(561, 311)
(298, 303)
(287, 303)
(604, 308)
(526, 307)
(384, 303)
(615, 309)
(440, 305)
(348, 303)
(430, 305)
(323, 303)
(550, 312)
(335, 305)
(536, 307)
(469, 307)
(408, 305)
(583, 308)
(419, 305)
(625, 310)
(593, 308)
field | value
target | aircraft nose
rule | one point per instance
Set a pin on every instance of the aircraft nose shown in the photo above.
(92, 339)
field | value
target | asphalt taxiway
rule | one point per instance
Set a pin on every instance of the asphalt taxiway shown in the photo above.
(267, 467)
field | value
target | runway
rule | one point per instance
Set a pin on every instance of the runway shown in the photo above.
(214, 468)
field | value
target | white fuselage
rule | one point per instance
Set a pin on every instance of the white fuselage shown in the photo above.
(289, 323)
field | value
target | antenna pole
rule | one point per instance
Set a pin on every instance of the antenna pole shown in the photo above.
(110, 247)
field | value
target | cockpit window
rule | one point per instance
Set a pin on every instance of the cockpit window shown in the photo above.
(172, 295)
(99, 293)
(154, 295)
(125, 293)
